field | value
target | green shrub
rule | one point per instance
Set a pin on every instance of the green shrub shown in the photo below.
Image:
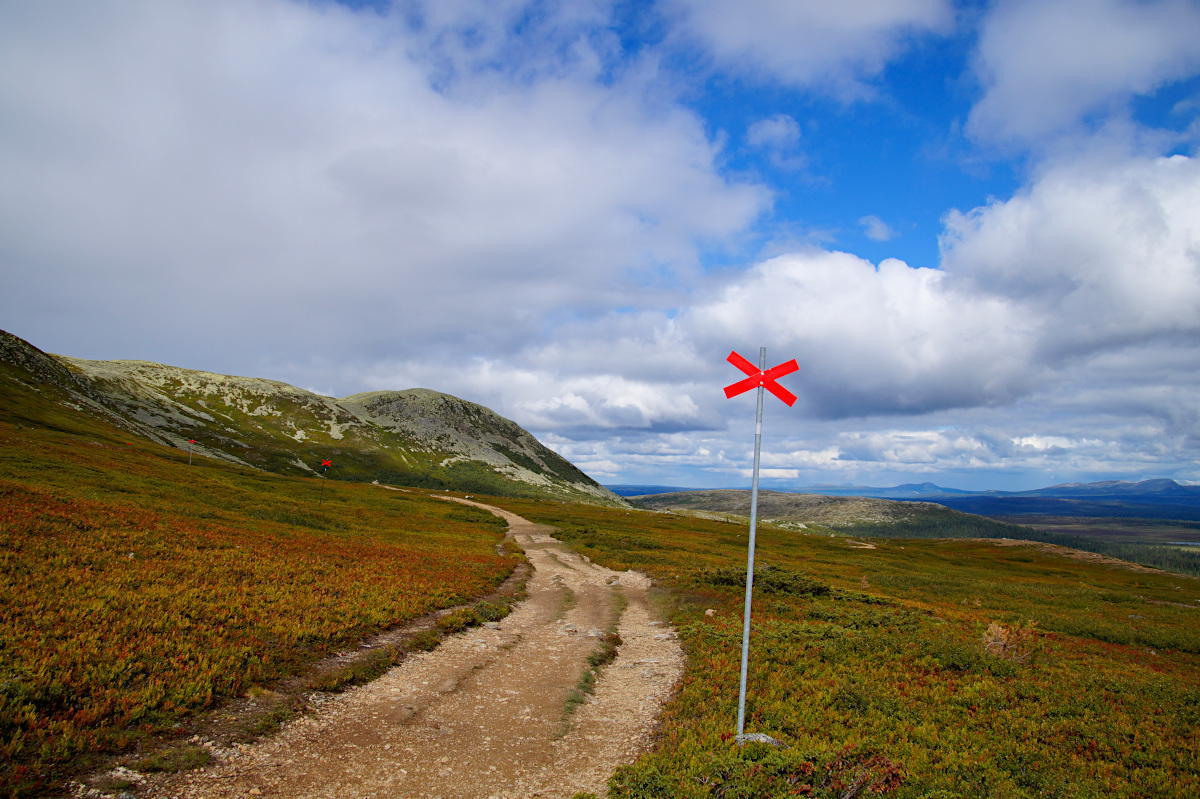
(487, 611)
(457, 620)
(767, 579)
(425, 641)
(183, 758)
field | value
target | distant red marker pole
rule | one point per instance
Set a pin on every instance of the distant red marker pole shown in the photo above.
(759, 377)
(324, 467)
(190, 442)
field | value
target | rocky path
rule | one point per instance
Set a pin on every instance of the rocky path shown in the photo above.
(483, 715)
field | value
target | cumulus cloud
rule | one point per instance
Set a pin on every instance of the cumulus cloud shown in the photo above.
(809, 42)
(1102, 257)
(1071, 311)
(1046, 65)
(876, 229)
(778, 131)
(873, 339)
(778, 136)
(336, 181)
(476, 198)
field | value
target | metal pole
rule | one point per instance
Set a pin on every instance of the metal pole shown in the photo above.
(741, 721)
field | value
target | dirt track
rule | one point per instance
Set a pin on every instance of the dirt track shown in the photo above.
(483, 715)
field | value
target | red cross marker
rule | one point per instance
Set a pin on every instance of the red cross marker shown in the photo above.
(326, 463)
(759, 378)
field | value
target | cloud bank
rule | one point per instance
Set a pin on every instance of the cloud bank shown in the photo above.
(529, 206)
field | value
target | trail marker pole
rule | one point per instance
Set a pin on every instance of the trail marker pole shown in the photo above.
(324, 467)
(759, 377)
(190, 442)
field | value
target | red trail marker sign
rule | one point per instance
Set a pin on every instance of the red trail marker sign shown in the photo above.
(761, 378)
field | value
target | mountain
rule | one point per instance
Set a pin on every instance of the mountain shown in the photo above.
(641, 490)
(415, 437)
(904, 491)
(1114, 489)
(1150, 499)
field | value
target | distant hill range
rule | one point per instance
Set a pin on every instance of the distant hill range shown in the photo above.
(1148, 499)
(415, 437)
(858, 516)
(641, 490)
(785, 508)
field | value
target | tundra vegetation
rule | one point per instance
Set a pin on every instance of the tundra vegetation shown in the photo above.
(916, 668)
(136, 591)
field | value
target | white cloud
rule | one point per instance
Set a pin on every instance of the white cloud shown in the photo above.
(790, 474)
(1063, 327)
(811, 42)
(876, 229)
(778, 131)
(1102, 258)
(1079, 268)
(499, 204)
(1047, 64)
(873, 339)
(298, 169)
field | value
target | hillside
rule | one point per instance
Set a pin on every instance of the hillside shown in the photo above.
(805, 509)
(137, 591)
(415, 437)
(1145, 542)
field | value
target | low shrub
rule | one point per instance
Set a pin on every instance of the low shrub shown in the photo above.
(457, 620)
(1017, 643)
(767, 579)
(425, 641)
(488, 611)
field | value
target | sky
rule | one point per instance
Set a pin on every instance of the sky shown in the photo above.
(975, 225)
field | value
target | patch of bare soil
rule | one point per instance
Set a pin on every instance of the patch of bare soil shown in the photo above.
(486, 714)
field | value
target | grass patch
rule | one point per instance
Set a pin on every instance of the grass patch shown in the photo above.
(491, 611)
(604, 654)
(425, 641)
(362, 671)
(185, 757)
(457, 620)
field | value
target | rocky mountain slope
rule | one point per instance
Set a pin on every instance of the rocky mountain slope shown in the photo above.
(415, 437)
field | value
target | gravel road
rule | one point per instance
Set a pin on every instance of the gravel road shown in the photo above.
(484, 714)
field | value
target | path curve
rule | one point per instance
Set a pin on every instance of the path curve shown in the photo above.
(483, 715)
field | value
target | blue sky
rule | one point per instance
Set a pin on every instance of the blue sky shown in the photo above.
(976, 226)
